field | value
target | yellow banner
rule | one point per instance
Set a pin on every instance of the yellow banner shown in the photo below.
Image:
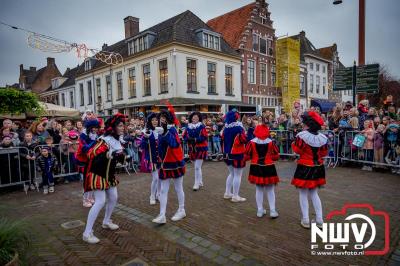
(288, 71)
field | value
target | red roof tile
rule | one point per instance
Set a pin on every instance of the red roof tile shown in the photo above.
(231, 25)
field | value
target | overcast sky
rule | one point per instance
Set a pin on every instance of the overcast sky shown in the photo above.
(95, 22)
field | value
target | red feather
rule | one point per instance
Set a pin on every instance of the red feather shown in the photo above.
(172, 111)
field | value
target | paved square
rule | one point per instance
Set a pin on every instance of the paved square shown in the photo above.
(215, 230)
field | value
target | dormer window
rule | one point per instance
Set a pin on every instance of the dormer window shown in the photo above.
(140, 43)
(209, 39)
(88, 65)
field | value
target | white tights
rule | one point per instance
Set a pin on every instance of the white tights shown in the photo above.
(233, 180)
(198, 176)
(109, 198)
(155, 185)
(178, 184)
(303, 197)
(270, 190)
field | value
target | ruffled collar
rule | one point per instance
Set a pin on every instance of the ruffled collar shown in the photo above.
(113, 144)
(194, 126)
(315, 141)
(261, 141)
(234, 124)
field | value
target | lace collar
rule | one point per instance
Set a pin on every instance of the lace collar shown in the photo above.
(313, 140)
(234, 124)
(194, 126)
(261, 141)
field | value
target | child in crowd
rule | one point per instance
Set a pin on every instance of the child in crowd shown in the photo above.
(378, 144)
(27, 154)
(47, 164)
(368, 147)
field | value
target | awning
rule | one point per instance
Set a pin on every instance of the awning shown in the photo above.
(52, 110)
(323, 105)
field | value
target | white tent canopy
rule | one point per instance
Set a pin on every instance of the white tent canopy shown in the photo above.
(53, 110)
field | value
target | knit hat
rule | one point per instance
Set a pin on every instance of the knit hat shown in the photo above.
(89, 124)
(73, 135)
(313, 120)
(261, 132)
(46, 148)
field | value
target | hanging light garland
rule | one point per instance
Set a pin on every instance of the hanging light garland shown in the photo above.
(50, 44)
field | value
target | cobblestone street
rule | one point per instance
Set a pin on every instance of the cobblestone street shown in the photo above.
(215, 230)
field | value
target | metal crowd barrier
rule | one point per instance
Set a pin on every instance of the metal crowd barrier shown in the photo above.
(14, 168)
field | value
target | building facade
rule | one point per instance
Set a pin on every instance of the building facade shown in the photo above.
(249, 29)
(181, 60)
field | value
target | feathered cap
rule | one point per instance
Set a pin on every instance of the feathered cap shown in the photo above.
(198, 115)
(169, 114)
(89, 124)
(261, 131)
(232, 116)
(113, 121)
(73, 135)
(313, 120)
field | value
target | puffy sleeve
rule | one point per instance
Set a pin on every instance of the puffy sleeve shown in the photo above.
(273, 151)
(249, 151)
(203, 136)
(298, 146)
(173, 138)
(323, 151)
(242, 136)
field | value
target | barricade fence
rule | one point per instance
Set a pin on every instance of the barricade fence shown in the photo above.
(19, 164)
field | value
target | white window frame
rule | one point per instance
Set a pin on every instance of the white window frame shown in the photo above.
(253, 77)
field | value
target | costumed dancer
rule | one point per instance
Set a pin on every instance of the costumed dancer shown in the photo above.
(149, 145)
(234, 139)
(86, 140)
(172, 165)
(196, 136)
(262, 153)
(100, 175)
(310, 172)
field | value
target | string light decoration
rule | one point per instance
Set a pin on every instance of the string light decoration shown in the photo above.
(50, 44)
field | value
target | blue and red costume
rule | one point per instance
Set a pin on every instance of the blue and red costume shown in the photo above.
(172, 164)
(150, 145)
(234, 141)
(197, 138)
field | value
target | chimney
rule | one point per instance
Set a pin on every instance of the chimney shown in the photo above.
(131, 26)
(104, 47)
(21, 68)
(32, 69)
(50, 61)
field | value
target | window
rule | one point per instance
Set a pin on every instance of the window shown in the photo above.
(311, 83)
(263, 73)
(205, 40)
(119, 86)
(323, 85)
(132, 83)
(146, 80)
(273, 75)
(302, 85)
(228, 80)
(140, 44)
(250, 100)
(311, 66)
(71, 99)
(98, 89)
(191, 75)
(130, 47)
(323, 69)
(163, 66)
(264, 20)
(135, 46)
(250, 71)
(87, 65)
(63, 99)
(317, 81)
(255, 42)
(270, 48)
(81, 94)
(317, 67)
(269, 102)
(108, 88)
(211, 41)
(263, 46)
(212, 68)
(90, 95)
(145, 43)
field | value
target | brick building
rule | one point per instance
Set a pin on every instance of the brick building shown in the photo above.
(249, 29)
(40, 81)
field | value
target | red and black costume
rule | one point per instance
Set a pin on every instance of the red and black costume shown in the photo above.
(262, 153)
(312, 147)
(234, 140)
